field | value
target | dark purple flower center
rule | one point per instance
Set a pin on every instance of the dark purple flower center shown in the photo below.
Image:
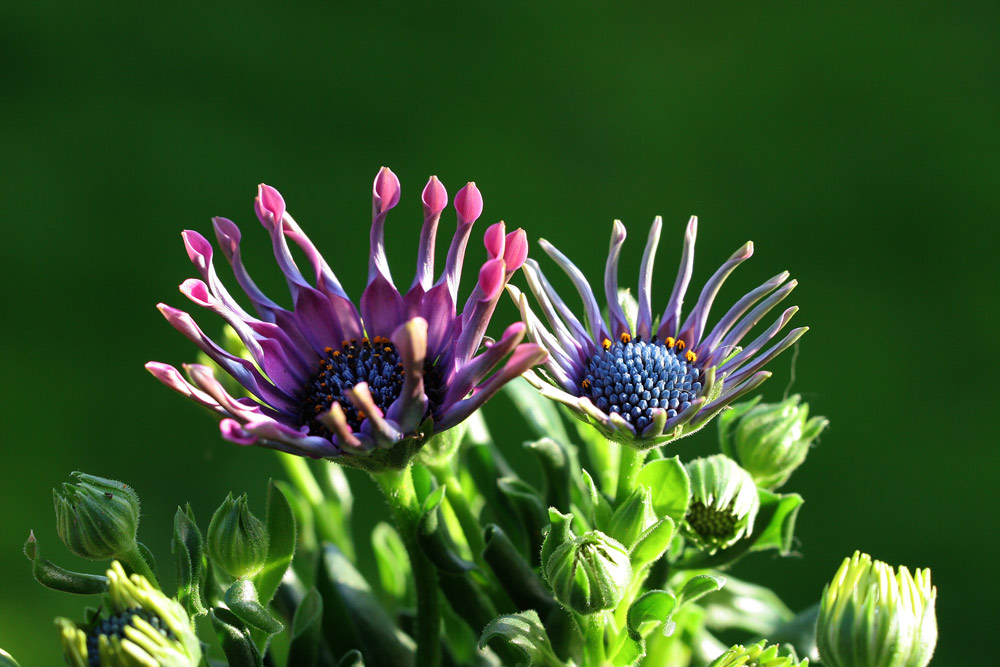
(373, 361)
(115, 627)
(632, 378)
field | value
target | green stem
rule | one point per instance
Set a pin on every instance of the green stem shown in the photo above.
(133, 560)
(445, 476)
(302, 478)
(397, 486)
(592, 627)
(629, 466)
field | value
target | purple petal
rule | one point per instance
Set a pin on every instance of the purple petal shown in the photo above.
(495, 239)
(476, 369)
(672, 315)
(375, 425)
(685, 415)
(228, 236)
(410, 339)
(172, 378)
(515, 250)
(564, 366)
(728, 397)
(269, 206)
(770, 354)
(580, 334)
(694, 326)
(285, 439)
(438, 308)
(733, 338)
(598, 329)
(324, 277)
(478, 311)
(381, 307)
(619, 323)
(734, 313)
(561, 331)
(200, 253)
(435, 199)
(644, 320)
(759, 342)
(385, 195)
(468, 206)
(233, 432)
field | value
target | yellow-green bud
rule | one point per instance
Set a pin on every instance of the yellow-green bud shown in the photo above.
(589, 573)
(96, 518)
(873, 616)
(723, 505)
(755, 655)
(237, 540)
(770, 440)
(138, 626)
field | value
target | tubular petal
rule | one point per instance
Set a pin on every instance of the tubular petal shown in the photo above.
(619, 323)
(644, 320)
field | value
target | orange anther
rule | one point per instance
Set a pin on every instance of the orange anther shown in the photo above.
(328, 349)
(585, 384)
(669, 341)
(626, 338)
(691, 356)
(681, 345)
(606, 344)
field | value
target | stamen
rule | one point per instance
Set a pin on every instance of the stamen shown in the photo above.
(691, 356)
(606, 344)
(626, 338)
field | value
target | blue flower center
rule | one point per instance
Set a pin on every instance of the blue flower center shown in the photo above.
(114, 626)
(373, 361)
(633, 378)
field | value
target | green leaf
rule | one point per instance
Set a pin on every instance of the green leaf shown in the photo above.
(651, 608)
(54, 577)
(600, 514)
(780, 528)
(391, 562)
(514, 574)
(523, 631)
(669, 487)
(307, 626)
(699, 585)
(557, 468)
(280, 523)
(540, 415)
(434, 540)
(350, 659)
(652, 543)
(188, 548)
(236, 642)
(241, 598)
(529, 507)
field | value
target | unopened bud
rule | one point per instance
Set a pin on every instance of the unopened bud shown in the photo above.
(237, 540)
(755, 655)
(589, 573)
(96, 518)
(723, 505)
(632, 517)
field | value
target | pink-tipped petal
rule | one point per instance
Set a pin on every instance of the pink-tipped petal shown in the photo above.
(492, 278)
(494, 239)
(385, 195)
(468, 204)
(269, 205)
(435, 199)
(385, 191)
(515, 250)
(233, 432)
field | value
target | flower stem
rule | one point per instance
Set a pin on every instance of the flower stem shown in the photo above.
(629, 466)
(397, 486)
(592, 627)
(445, 476)
(133, 560)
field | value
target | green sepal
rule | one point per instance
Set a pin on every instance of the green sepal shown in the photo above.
(632, 517)
(392, 564)
(353, 617)
(351, 659)
(236, 641)
(698, 586)
(669, 486)
(6, 660)
(58, 579)
(541, 416)
(529, 507)
(188, 548)
(523, 631)
(600, 508)
(560, 531)
(774, 529)
(307, 625)
(652, 607)
(433, 538)
(243, 601)
(514, 574)
(557, 470)
(653, 542)
(280, 525)
(147, 555)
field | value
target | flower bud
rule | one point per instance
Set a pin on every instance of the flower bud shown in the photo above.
(632, 517)
(872, 616)
(769, 440)
(237, 540)
(723, 505)
(589, 573)
(96, 518)
(138, 625)
(755, 655)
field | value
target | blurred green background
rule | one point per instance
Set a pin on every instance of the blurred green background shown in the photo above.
(855, 144)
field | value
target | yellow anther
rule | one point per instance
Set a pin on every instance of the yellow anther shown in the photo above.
(585, 384)
(691, 356)
(626, 338)
(680, 344)
(606, 344)
(328, 349)
(669, 341)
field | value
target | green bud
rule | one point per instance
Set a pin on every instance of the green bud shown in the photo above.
(632, 517)
(723, 505)
(6, 660)
(755, 655)
(138, 625)
(237, 540)
(589, 573)
(96, 518)
(872, 616)
(769, 440)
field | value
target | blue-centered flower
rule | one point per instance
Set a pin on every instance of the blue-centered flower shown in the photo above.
(643, 380)
(325, 379)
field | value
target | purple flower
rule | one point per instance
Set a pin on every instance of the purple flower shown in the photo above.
(326, 379)
(649, 382)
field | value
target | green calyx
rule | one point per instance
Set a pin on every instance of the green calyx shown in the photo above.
(96, 518)
(723, 506)
(755, 655)
(770, 440)
(588, 573)
(874, 616)
(237, 540)
(139, 626)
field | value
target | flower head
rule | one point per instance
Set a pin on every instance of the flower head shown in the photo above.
(873, 616)
(724, 503)
(364, 385)
(755, 655)
(653, 381)
(139, 626)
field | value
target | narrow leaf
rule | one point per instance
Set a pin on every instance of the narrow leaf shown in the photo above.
(280, 523)
(525, 632)
(235, 639)
(58, 579)
(307, 626)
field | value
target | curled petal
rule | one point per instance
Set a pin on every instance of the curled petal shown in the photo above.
(694, 326)
(410, 339)
(468, 204)
(619, 323)
(269, 205)
(672, 315)
(644, 319)
(385, 195)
